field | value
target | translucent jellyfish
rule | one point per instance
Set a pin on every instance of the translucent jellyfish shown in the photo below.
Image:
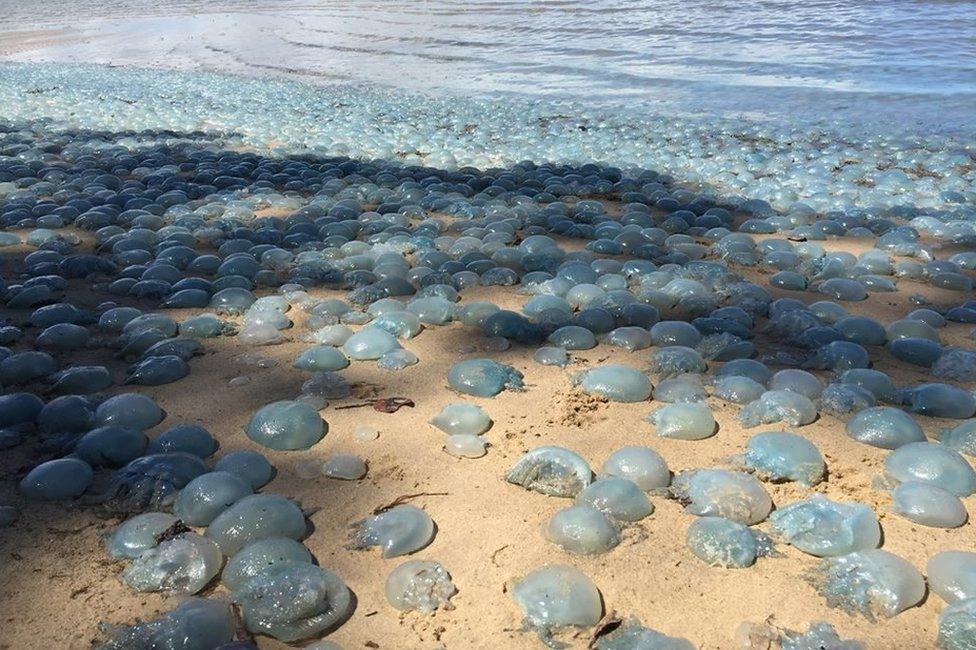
(369, 343)
(152, 481)
(331, 335)
(841, 400)
(861, 330)
(130, 410)
(750, 368)
(195, 624)
(642, 465)
(784, 456)
(878, 383)
(551, 356)
(952, 575)
(401, 324)
(136, 345)
(724, 543)
(366, 433)
(619, 498)
(826, 528)
(433, 310)
(249, 465)
(57, 480)
(206, 326)
(157, 371)
(321, 358)
(260, 334)
(556, 597)
(146, 322)
(915, 350)
(941, 401)
(397, 360)
(778, 406)
(110, 446)
(26, 367)
(461, 417)
(955, 364)
(616, 382)
(347, 467)
(293, 600)
(681, 389)
(885, 427)
(844, 289)
(553, 471)
(933, 318)
(420, 585)
(911, 328)
(738, 390)
(872, 583)
(138, 534)
(839, 356)
(582, 530)
(82, 380)
(483, 377)
(286, 425)
(931, 463)
(684, 421)
(63, 336)
(798, 381)
(327, 385)
(257, 516)
(928, 505)
(676, 360)
(957, 626)
(185, 437)
(19, 408)
(630, 338)
(722, 493)
(115, 319)
(258, 556)
(674, 332)
(233, 300)
(573, 337)
(207, 496)
(820, 636)
(631, 635)
(180, 565)
(473, 314)
(70, 413)
(465, 445)
(400, 530)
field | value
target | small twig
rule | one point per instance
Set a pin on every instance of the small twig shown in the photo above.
(353, 406)
(383, 404)
(403, 498)
(607, 624)
(240, 630)
(495, 554)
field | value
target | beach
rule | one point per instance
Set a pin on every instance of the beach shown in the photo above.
(323, 139)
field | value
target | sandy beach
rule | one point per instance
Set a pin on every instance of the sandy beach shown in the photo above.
(489, 532)
(270, 83)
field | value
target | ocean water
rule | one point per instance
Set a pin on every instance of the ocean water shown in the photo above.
(906, 63)
(839, 106)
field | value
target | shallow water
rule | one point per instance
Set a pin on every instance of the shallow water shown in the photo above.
(859, 60)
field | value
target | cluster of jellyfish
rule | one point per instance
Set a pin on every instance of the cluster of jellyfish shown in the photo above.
(183, 243)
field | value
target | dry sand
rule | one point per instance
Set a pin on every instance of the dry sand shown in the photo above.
(57, 582)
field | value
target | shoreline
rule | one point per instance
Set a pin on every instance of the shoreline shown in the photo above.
(823, 166)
